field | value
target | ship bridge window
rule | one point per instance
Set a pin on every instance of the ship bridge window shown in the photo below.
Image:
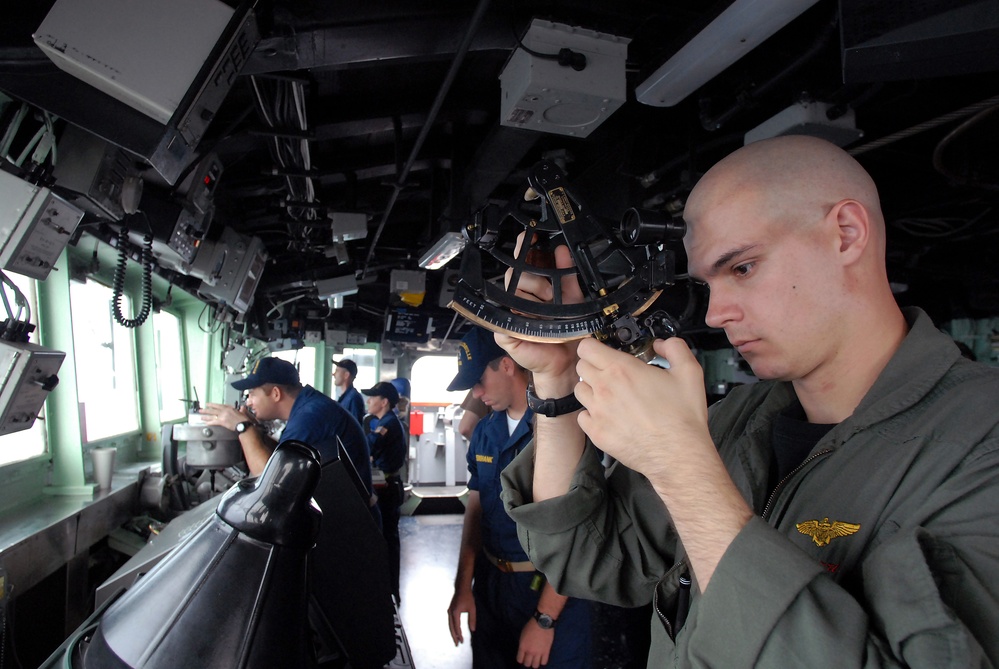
(304, 359)
(169, 375)
(430, 378)
(367, 367)
(105, 363)
(25, 444)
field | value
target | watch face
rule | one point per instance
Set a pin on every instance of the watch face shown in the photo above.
(544, 621)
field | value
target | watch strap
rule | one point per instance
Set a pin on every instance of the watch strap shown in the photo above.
(244, 426)
(544, 620)
(552, 407)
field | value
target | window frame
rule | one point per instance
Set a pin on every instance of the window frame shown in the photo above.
(86, 429)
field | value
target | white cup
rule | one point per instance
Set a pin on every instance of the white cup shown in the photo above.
(103, 459)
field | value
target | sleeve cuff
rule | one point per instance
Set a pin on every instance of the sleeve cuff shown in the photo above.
(558, 514)
(749, 602)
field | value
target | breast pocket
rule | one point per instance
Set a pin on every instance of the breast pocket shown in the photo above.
(488, 474)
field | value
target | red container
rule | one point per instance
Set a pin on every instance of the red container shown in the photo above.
(416, 423)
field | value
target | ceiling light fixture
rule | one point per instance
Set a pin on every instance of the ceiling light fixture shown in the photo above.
(443, 251)
(743, 26)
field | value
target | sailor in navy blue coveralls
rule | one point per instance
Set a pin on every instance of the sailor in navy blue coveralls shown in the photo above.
(515, 616)
(389, 450)
(350, 399)
(274, 391)
(317, 420)
(506, 601)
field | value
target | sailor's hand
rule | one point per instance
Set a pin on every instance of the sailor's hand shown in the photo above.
(223, 415)
(461, 602)
(643, 415)
(535, 645)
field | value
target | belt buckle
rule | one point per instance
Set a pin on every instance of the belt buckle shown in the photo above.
(504, 565)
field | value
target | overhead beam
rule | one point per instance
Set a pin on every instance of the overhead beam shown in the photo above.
(345, 46)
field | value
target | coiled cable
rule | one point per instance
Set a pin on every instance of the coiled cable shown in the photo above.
(146, 259)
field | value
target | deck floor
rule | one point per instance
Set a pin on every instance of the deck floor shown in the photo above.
(429, 559)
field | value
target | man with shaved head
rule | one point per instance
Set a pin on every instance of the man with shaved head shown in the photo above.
(842, 512)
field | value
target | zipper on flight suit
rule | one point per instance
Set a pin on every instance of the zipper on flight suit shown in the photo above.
(684, 582)
(777, 489)
(684, 579)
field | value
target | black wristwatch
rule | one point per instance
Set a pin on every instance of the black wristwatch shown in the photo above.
(552, 407)
(545, 621)
(244, 426)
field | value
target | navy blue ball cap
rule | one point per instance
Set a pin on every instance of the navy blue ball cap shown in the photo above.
(477, 349)
(402, 385)
(269, 370)
(349, 365)
(383, 389)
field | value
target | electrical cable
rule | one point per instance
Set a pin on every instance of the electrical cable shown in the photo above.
(118, 285)
(938, 228)
(749, 97)
(287, 111)
(924, 126)
(939, 153)
(50, 124)
(278, 306)
(202, 313)
(19, 299)
(209, 329)
(18, 326)
(565, 57)
(6, 303)
(12, 128)
(31, 145)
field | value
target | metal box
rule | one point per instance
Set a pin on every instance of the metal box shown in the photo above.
(539, 94)
(809, 118)
(151, 75)
(35, 226)
(27, 376)
(143, 52)
(237, 263)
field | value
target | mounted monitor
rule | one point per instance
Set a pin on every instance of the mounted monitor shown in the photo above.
(147, 76)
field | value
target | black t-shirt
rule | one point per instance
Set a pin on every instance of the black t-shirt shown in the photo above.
(793, 439)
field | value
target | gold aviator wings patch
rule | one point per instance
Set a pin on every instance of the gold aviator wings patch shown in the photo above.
(822, 531)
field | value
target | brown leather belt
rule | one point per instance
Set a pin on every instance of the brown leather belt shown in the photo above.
(506, 565)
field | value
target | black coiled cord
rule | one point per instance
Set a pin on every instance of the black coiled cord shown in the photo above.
(146, 259)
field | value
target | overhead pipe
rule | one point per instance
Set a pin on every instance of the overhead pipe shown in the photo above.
(435, 109)
(924, 126)
(749, 98)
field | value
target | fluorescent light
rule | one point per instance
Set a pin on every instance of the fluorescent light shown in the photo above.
(743, 26)
(444, 249)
